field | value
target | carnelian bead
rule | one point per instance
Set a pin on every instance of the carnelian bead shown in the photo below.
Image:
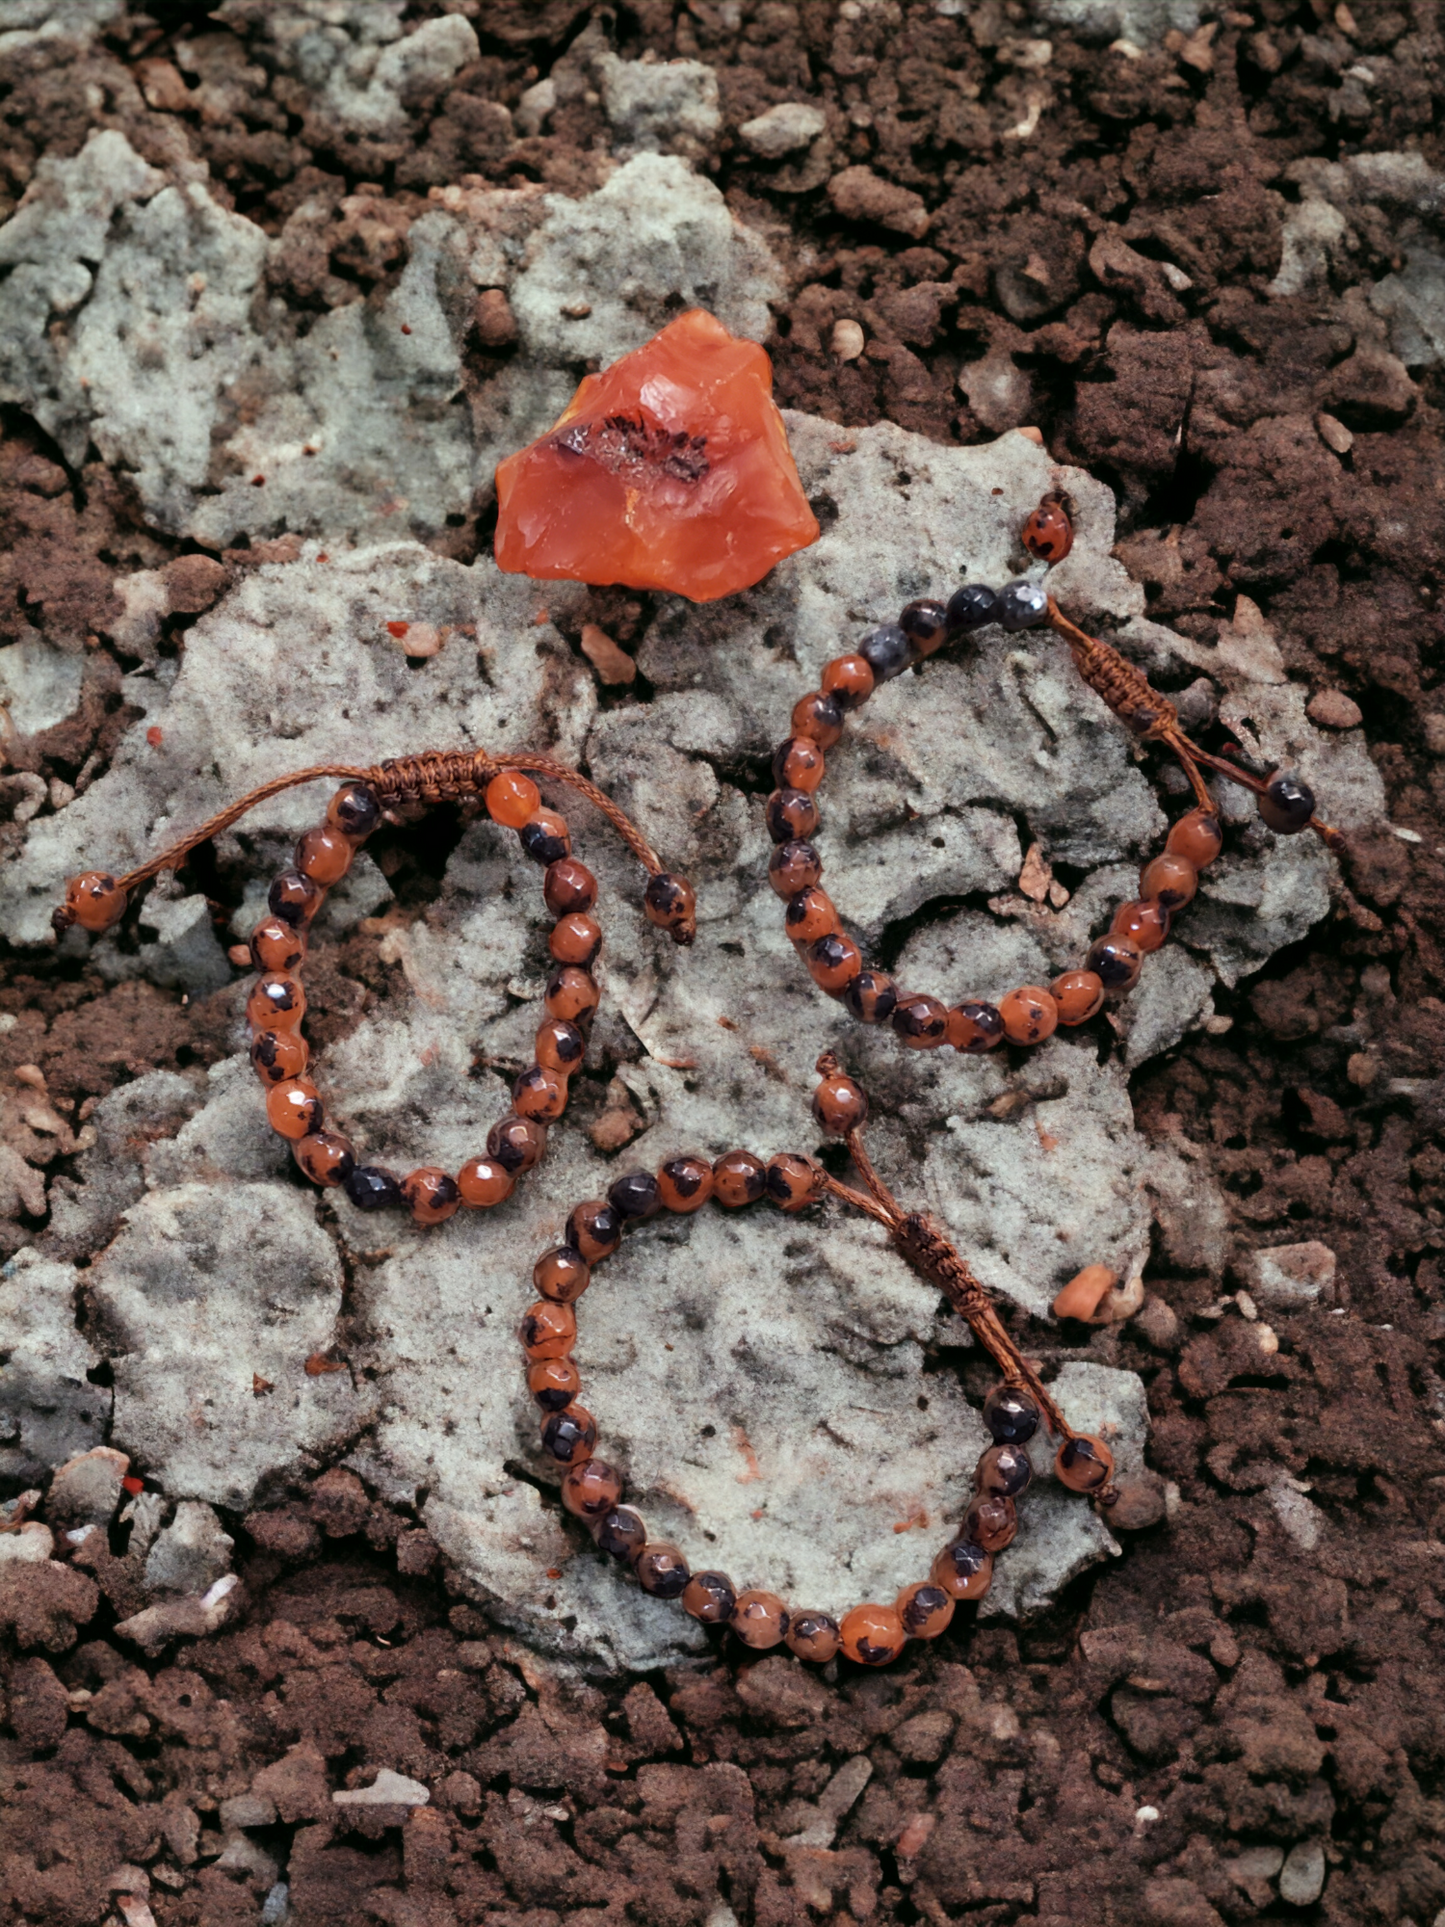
(294, 898)
(324, 855)
(926, 1608)
(670, 902)
(1196, 837)
(548, 1331)
(991, 1521)
(1115, 961)
(276, 1002)
(872, 1635)
(661, 1570)
(848, 680)
(833, 962)
(760, 1619)
(432, 1196)
(553, 1383)
(594, 1229)
(1170, 879)
(926, 625)
(278, 1055)
(568, 886)
(560, 1046)
(1084, 1464)
(975, 1027)
(293, 1108)
(571, 994)
(794, 867)
(1048, 533)
(810, 915)
(484, 1183)
(839, 1104)
(792, 816)
(684, 1184)
(575, 939)
(1145, 922)
(590, 1491)
(277, 945)
(511, 798)
(710, 1597)
(792, 1181)
(871, 996)
(562, 1275)
(819, 717)
(326, 1157)
(922, 1022)
(738, 1178)
(545, 837)
(517, 1143)
(813, 1636)
(95, 901)
(1079, 995)
(963, 1569)
(1029, 1015)
(538, 1092)
(354, 811)
(620, 1532)
(569, 1436)
(798, 764)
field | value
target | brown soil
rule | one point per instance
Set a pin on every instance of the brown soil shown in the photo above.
(1240, 1691)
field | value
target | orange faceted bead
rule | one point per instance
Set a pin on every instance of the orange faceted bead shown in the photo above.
(669, 471)
(873, 1635)
(1029, 1015)
(484, 1183)
(293, 1108)
(511, 798)
(94, 901)
(1079, 995)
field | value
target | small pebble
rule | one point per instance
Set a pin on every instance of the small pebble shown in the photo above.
(496, 324)
(1334, 434)
(1333, 709)
(1362, 1069)
(847, 340)
(613, 665)
(1433, 725)
(1302, 1878)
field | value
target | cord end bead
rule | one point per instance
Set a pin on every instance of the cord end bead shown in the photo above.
(670, 902)
(839, 1104)
(94, 900)
(1084, 1464)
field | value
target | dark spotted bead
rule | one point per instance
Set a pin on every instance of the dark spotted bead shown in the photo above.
(710, 1597)
(354, 811)
(922, 1022)
(975, 1027)
(326, 1157)
(545, 838)
(1021, 605)
(671, 903)
(833, 962)
(792, 1181)
(591, 1490)
(1003, 1469)
(571, 994)
(1084, 1464)
(872, 996)
(887, 652)
(371, 1188)
(294, 898)
(964, 1569)
(1287, 804)
(539, 1092)
(1196, 835)
(971, 607)
(635, 1195)
(991, 1521)
(595, 1230)
(810, 915)
(1048, 533)
(794, 867)
(872, 1635)
(662, 1571)
(926, 626)
(926, 1608)
(620, 1533)
(324, 855)
(560, 1046)
(548, 1331)
(276, 1002)
(570, 1436)
(1144, 921)
(818, 717)
(517, 1143)
(277, 945)
(553, 1383)
(562, 1275)
(840, 1105)
(1011, 1415)
(433, 1194)
(1115, 961)
(760, 1619)
(738, 1178)
(278, 1055)
(813, 1636)
(798, 764)
(1169, 880)
(792, 816)
(568, 886)
(849, 680)
(685, 1184)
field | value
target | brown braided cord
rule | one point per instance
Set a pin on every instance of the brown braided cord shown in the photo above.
(223, 819)
(1127, 691)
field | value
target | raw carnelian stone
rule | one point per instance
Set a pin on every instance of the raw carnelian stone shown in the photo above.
(670, 471)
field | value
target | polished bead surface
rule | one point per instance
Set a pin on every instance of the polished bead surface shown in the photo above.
(575, 939)
(595, 1230)
(545, 837)
(511, 798)
(548, 1330)
(661, 1570)
(1144, 921)
(294, 898)
(621, 1533)
(849, 680)
(971, 607)
(710, 1598)
(810, 915)
(792, 816)
(819, 717)
(635, 1195)
(95, 901)
(1029, 1015)
(560, 1046)
(670, 902)
(738, 1178)
(278, 1055)
(1021, 605)
(871, 996)
(571, 994)
(684, 1184)
(991, 1521)
(276, 1002)
(538, 1092)
(325, 1156)
(1084, 1464)
(354, 811)
(760, 1619)
(590, 1491)
(562, 1275)
(1048, 533)
(277, 945)
(324, 856)
(887, 651)
(1169, 880)
(372, 1188)
(798, 764)
(794, 867)
(483, 1183)
(432, 1195)
(813, 1636)
(517, 1143)
(791, 1181)
(833, 962)
(925, 1608)
(921, 1022)
(925, 624)
(553, 1383)
(1196, 836)
(293, 1108)
(1005, 1470)
(975, 1027)
(872, 1635)
(839, 1104)
(963, 1569)
(568, 886)
(1115, 961)
(569, 1436)
(1079, 995)
(1287, 803)
(1011, 1415)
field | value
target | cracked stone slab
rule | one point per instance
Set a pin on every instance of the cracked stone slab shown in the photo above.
(49, 1408)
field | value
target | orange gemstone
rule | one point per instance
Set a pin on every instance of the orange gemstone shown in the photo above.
(873, 1635)
(670, 471)
(512, 798)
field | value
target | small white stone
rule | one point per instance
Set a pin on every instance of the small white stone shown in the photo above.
(1302, 1878)
(848, 340)
(1146, 1816)
(31, 1544)
(784, 129)
(389, 1789)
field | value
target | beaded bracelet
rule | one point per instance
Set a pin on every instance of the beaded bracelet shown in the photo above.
(592, 1489)
(1031, 1013)
(277, 1003)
